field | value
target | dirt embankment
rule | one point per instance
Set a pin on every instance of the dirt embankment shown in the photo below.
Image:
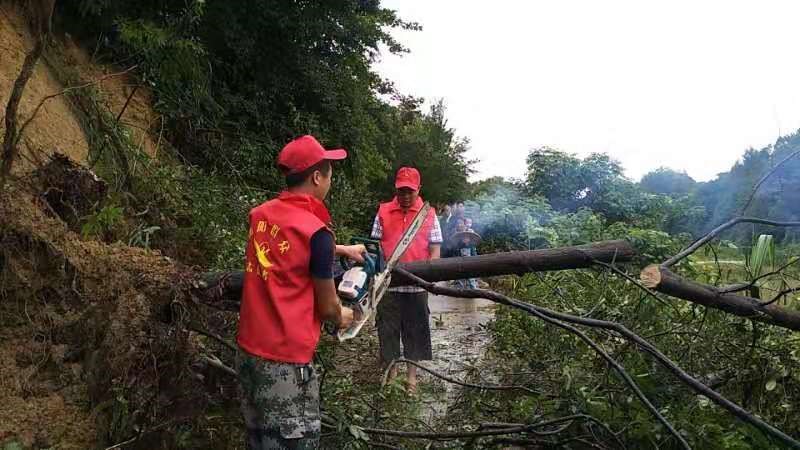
(119, 95)
(93, 344)
(56, 127)
(93, 340)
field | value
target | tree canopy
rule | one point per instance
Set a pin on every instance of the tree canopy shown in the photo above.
(236, 80)
(667, 181)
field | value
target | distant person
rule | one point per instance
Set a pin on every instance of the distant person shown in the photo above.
(458, 214)
(444, 218)
(465, 248)
(473, 250)
(403, 313)
(460, 209)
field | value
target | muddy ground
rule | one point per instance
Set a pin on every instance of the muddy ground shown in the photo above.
(460, 339)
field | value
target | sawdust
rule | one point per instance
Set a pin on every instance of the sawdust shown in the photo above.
(55, 127)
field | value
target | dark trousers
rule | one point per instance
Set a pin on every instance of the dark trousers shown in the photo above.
(403, 316)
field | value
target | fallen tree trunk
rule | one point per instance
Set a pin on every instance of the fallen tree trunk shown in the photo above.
(663, 280)
(518, 263)
(224, 289)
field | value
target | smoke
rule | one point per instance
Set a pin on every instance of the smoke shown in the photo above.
(507, 218)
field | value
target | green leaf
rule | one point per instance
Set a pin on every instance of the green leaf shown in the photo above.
(771, 384)
(358, 433)
(762, 254)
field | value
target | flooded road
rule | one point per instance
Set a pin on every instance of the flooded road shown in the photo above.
(459, 339)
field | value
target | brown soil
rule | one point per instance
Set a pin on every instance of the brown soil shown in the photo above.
(143, 123)
(55, 127)
(93, 342)
(35, 417)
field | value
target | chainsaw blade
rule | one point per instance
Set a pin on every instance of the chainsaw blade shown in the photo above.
(380, 282)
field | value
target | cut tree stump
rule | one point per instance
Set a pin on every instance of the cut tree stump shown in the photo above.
(663, 280)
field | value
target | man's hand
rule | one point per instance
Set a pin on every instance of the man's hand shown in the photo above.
(347, 318)
(354, 252)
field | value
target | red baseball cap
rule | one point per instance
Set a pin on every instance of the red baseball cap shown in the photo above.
(304, 152)
(407, 177)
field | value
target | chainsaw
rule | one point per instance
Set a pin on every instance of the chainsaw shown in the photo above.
(364, 284)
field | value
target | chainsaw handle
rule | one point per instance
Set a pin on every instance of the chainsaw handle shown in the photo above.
(345, 263)
(373, 248)
(369, 263)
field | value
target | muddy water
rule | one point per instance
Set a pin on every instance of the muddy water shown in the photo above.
(459, 339)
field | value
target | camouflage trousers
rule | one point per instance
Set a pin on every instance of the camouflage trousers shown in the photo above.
(280, 403)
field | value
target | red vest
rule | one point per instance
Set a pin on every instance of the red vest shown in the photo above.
(394, 223)
(277, 318)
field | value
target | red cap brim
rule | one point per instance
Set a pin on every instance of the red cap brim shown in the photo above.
(406, 184)
(335, 154)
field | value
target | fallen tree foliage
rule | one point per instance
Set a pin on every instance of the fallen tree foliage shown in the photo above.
(122, 316)
(87, 323)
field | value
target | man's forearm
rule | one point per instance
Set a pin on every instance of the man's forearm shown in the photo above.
(326, 301)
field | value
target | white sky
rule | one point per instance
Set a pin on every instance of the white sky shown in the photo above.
(684, 84)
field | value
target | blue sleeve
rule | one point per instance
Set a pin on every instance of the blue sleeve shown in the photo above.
(322, 249)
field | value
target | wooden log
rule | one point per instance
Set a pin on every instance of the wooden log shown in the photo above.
(518, 263)
(663, 280)
(224, 289)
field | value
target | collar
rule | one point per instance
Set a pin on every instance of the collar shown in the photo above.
(414, 208)
(308, 203)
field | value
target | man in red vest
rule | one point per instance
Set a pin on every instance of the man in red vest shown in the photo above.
(288, 291)
(403, 313)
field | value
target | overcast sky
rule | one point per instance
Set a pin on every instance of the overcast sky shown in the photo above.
(684, 84)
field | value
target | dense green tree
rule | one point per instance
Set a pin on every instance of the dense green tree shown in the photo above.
(667, 181)
(556, 176)
(236, 80)
(568, 182)
(429, 144)
(491, 184)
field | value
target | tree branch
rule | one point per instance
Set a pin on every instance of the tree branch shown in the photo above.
(215, 362)
(224, 290)
(635, 282)
(764, 178)
(530, 428)
(10, 140)
(65, 91)
(550, 316)
(744, 286)
(453, 380)
(218, 338)
(717, 231)
(558, 320)
(779, 295)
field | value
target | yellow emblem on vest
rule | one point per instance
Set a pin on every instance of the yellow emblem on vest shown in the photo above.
(261, 254)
